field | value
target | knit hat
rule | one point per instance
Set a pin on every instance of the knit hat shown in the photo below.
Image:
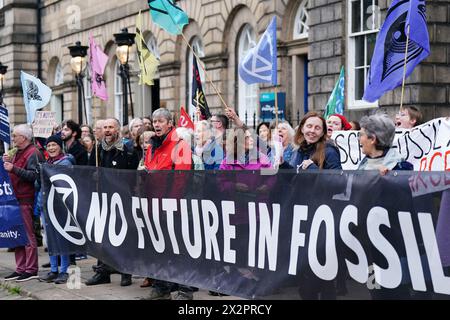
(55, 138)
(345, 124)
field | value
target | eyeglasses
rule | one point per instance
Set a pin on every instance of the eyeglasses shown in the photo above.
(215, 120)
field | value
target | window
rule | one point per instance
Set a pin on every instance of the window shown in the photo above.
(247, 93)
(149, 100)
(56, 102)
(197, 45)
(363, 25)
(88, 94)
(118, 93)
(59, 75)
(301, 22)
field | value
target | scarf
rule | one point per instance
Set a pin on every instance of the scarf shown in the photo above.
(108, 147)
(55, 159)
(389, 159)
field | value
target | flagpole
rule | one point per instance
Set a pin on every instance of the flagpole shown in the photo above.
(404, 68)
(95, 136)
(198, 106)
(276, 107)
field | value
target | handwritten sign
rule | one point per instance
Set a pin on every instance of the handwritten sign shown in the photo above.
(43, 124)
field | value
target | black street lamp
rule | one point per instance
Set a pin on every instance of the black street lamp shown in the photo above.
(3, 70)
(78, 64)
(124, 41)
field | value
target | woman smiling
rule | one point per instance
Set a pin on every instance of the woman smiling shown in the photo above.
(313, 150)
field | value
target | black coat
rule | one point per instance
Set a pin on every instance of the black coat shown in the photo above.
(79, 153)
(114, 158)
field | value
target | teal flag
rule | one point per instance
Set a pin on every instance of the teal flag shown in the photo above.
(168, 16)
(336, 102)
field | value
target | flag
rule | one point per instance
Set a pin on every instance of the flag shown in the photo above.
(168, 16)
(148, 63)
(12, 229)
(98, 61)
(36, 95)
(336, 101)
(198, 96)
(386, 68)
(260, 63)
(185, 120)
(5, 131)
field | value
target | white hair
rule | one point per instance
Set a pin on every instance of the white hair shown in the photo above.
(133, 122)
(184, 134)
(24, 130)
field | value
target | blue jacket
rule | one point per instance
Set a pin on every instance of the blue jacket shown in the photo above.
(332, 158)
(212, 155)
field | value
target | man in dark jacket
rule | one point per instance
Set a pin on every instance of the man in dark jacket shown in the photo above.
(22, 169)
(70, 134)
(111, 153)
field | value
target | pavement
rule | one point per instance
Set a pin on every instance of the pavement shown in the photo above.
(75, 289)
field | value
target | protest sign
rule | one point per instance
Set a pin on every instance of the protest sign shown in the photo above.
(43, 124)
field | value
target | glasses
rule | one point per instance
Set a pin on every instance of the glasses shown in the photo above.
(215, 120)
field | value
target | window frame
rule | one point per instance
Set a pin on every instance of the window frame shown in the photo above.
(197, 45)
(118, 93)
(244, 90)
(303, 7)
(88, 93)
(352, 103)
(146, 90)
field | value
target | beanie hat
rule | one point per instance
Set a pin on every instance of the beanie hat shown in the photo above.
(345, 124)
(55, 138)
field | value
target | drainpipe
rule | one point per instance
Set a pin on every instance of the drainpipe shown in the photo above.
(38, 40)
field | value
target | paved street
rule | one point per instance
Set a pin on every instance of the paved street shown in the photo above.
(12, 294)
(73, 290)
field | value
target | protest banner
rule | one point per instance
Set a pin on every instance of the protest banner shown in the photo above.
(44, 123)
(426, 146)
(12, 230)
(286, 240)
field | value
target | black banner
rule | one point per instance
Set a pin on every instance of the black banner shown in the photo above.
(285, 236)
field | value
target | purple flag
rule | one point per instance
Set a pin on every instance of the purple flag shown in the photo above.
(386, 68)
(98, 61)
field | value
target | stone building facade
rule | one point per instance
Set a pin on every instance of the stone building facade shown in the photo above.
(315, 38)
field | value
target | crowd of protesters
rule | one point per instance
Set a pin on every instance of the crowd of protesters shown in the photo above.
(148, 143)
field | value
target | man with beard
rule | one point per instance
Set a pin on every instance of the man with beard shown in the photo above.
(70, 134)
(112, 153)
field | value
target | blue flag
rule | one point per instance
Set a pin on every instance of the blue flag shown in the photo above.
(260, 63)
(5, 131)
(168, 16)
(36, 95)
(12, 230)
(386, 68)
